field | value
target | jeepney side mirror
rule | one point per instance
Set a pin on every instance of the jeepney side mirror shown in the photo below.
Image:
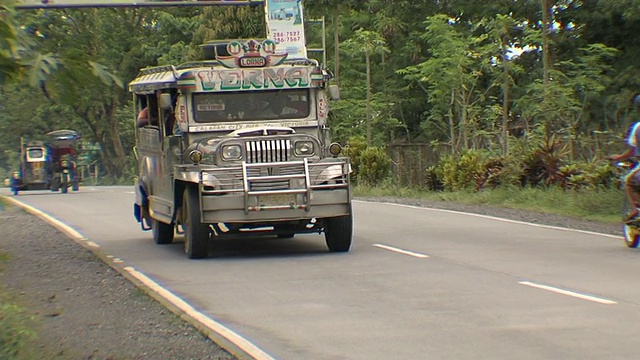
(334, 92)
(165, 101)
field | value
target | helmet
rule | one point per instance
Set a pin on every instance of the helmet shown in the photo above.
(636, 101)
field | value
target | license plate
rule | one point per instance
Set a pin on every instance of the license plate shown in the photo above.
(277, 200)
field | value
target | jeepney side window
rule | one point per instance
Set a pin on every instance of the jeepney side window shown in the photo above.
(147, 110)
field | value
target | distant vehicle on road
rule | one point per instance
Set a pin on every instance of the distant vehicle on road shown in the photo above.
(47, 165)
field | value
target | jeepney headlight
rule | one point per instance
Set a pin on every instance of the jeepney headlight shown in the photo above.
(231, 152)
(195, 156)
(331, 172)
(303, 148)
(335, 149)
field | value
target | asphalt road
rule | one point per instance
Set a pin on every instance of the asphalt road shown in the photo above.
(418, 284)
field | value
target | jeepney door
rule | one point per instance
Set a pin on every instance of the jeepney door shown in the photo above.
(170, 150)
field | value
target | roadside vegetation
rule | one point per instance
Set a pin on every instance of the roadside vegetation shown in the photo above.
(450, 76)
(540, 178)
(595, 205)
(16, 325)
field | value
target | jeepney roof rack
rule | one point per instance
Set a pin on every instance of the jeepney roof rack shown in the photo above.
(157, 69)
(192, 64)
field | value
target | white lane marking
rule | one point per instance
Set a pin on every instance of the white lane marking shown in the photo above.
(492, 218)
(569, 293)
(400, 251)
(213, 325)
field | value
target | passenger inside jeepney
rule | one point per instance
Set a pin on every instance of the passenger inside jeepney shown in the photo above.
(143, 117)
(171, 126)
(149, 113)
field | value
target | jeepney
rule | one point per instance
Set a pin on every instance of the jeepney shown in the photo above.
(238, 144)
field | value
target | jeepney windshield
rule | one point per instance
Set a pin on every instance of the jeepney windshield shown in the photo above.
(254, 105)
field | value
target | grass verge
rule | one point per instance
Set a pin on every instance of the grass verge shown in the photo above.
(16, 325)
(603, 205)
(16, 332)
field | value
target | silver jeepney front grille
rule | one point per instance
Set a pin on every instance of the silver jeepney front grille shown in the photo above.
(262, 151)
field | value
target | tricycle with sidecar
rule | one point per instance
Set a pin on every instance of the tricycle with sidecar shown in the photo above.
(48, 164)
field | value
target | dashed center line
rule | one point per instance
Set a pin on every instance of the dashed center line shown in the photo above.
(569, 293)
(400, 251)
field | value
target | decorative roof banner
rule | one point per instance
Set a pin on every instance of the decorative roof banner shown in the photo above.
(251, 54)
(285, 26)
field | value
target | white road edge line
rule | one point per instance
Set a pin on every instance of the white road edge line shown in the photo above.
(492, 218)
(400, 251)
(213, 325)
(569, 293)
(64, 228)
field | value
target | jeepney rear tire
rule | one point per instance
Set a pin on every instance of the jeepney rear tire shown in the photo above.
(196, 234)
(75, 186)
(338, 233)
(162, 233)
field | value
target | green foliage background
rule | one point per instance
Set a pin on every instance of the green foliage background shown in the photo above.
(468, 76)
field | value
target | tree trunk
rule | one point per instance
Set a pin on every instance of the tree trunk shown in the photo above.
(545, 41)
(505, 101)
(368, 59)
(116, 143)
(336, 44)
(545, 60)
(452, 127)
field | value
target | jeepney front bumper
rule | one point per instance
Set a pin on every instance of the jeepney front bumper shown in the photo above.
(275, 191)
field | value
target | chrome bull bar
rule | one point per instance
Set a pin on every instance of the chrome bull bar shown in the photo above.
(274, 185)
(282, 194)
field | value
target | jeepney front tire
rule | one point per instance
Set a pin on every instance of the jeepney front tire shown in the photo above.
(338, 233)
(162, 233)
(196, 234)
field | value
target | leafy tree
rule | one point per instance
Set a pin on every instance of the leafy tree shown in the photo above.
(369, 44)
(453, 78)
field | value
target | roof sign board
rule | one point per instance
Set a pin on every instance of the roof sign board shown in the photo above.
(285, 26)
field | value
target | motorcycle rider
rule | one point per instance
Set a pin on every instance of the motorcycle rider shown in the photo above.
(632, 179)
